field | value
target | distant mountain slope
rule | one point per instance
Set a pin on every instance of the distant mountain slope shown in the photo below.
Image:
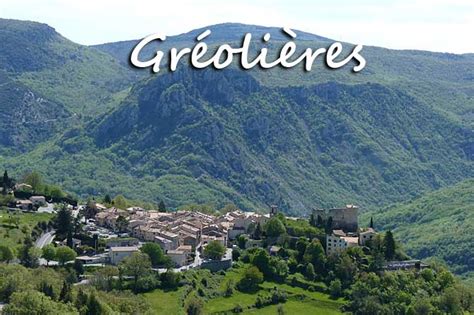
(81, 78)
(27, 118)
(440, 80)
(438, 224)
(224, 134)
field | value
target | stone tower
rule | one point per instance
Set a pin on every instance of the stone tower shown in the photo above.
(342, 218)
(273, 210)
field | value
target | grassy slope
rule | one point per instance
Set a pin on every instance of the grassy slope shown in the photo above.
(12, 236)
(438, 224)
(307, 303)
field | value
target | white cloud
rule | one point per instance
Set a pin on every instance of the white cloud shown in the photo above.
(439, 25)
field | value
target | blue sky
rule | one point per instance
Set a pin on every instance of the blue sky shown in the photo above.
(436, 25)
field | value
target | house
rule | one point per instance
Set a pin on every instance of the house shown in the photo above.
(186, 248)
(253, 243)
(216, 265)
(88, 260)
(165, 243)
(38, 200)
(122, 242)
(339, 240)
(23, 186)
(24, 204)
(405, 265)
(366, 235)
(117, 254)
(206, 239)
(273, 250)
(179, 257)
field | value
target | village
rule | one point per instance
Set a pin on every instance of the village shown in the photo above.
(183, 235)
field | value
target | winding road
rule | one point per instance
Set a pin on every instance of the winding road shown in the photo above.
(45, 239)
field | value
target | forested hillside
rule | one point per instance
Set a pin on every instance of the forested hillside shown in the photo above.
(438, 224)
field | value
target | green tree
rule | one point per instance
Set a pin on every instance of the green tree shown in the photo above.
(120, 202)
(66, 293)
(450, 301)
(371, 222)
(241, 241)
(56, 193)
(301, 245)
(229, 288)
(136, 266)
(194, 305)
(154, 251)
(34, 302)
(65, 254)
(314, 254)
(251, 279)
(389, 245)
(170, 279)
(49, 253)
(104, 278)
(6, 254)
(35, 180)
(335, 288)
(28, 255)
(274, 227)
(107, 199)
(309, 272)
(261, 260)
(161, 206)
(214, 250)
(94, 305)
(5, 183)
(63, 221)
(121, 224)
(257, 234)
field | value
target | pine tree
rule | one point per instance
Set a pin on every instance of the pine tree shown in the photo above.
(371, 222)
(5, 183)
(69, 241)
(257, 234)
(329, 226)
(107, 199)
(81, 301)
(389, 245)
(319, 221)
(63, 221)
(47, 289)
(66, 293)
(162, 206)
(93, 305)
(26, 254)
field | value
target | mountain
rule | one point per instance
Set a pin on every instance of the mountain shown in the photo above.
(399, 128)
(443, 81)
(31, 120)
(437, 224)
(51, 78)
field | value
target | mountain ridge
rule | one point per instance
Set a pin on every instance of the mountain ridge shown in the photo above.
(440, 88)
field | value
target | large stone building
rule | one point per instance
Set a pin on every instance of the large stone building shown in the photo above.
(342, 218)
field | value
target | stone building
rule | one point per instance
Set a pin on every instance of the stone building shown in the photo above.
(342, 218)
